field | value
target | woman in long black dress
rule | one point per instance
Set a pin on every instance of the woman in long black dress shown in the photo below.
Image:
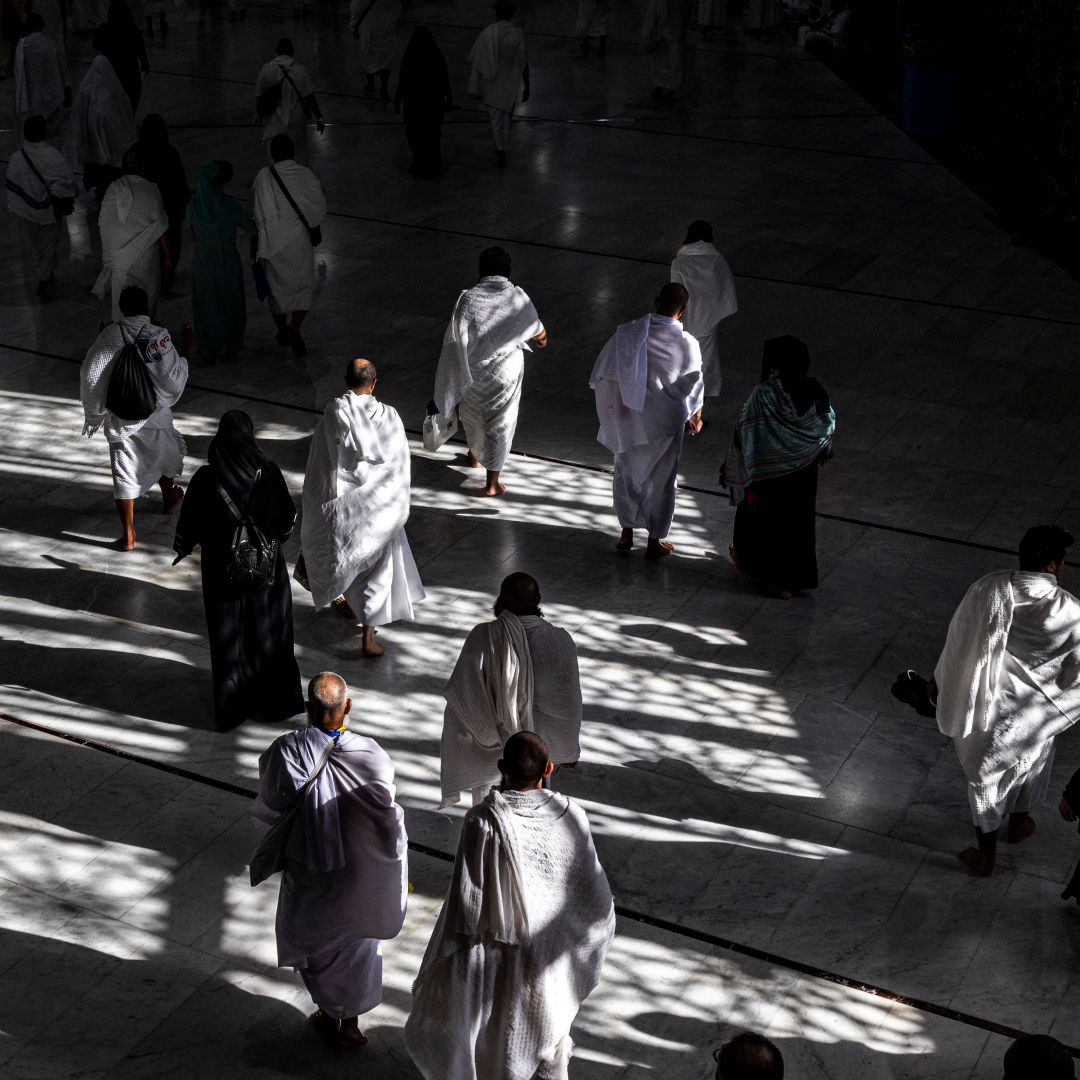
(162, 165)
(782, 436)
(251, 636)
(423, 87)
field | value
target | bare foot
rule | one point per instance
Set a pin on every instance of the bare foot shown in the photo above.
(1022, 831)
(473, 462)
(125, 543)
(657, 549)
(326, 1026)
(625, 541)
(975, 860)
(487, 492)
(173, 499)
(341, 606)
(784, 594)
(350, 1034)
(370, 647)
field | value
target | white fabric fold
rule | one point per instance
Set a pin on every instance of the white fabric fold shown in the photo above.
(103, 121)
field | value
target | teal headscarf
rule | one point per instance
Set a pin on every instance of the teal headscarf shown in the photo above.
(210, 207)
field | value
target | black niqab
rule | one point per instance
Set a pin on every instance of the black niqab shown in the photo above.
(234, 455)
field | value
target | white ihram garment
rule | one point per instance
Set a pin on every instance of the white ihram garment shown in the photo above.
(648, 383)
(141, 451)
(288, 118)
(28, 198)
(104, 125)
(40, 76)
(711, 285)
(356, 503)
(132, 221)
(513, 674)
(518, 946)
(498, 62)
(1008, 684)
(345, 881)
(664, 37)
(592, 19)
(376, 21)
(285, 249)
(482, 365)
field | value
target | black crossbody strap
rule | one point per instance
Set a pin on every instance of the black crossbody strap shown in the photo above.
(285, 72)
(238, 517)
(34, 170)
(292, 201)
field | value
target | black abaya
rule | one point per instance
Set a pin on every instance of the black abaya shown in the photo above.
(251, 637)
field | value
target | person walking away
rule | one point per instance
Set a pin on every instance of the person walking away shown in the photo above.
(373, 24)
(423, 93)
(253, 667)
(649, 394)
(500, 69)
(164, 167)
(357, 489)
(345, 883)
(482, 364)
(218, 301)
(38, 178)
(521, 938)
(142, 453)
(290, 90)
(711, 285)
(127, 50)
(289, 205)
(518, 673)
(42, 84)
(783, 435)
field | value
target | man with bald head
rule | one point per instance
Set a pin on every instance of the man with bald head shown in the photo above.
(649, 393)
(749, 1056)
(357, 488)
(345, 880)
(518, 673)
(522, 935)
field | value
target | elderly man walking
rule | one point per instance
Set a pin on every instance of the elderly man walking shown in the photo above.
(143, 453)
(711, 285)
(521, 938)
(518, 673)
(37, 178)
(357, 487)
(345, 880)
(499, 69)
(482, 364)
(134, 236)
(649, 392)
(289, 207)
(1007, 684)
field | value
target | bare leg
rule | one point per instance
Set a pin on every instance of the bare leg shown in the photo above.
(625, 541)
(350, 1033)
(369, 647)
(474, 461)
(1021, 826)
(172, 495)
(384, 83)
(282, 329)
(126, 510)
(657, 549)
(981, 859)
(298, 347)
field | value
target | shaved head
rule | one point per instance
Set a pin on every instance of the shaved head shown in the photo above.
(525, 759)
(360, 374)
(328, 700)
(519, 594)
(672, 299)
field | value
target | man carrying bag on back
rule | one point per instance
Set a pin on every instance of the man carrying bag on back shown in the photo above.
(130, 379)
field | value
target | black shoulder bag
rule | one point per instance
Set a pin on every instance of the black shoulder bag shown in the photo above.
(130, 394)
(252, 555)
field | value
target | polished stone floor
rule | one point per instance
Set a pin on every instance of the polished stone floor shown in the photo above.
(750, 781)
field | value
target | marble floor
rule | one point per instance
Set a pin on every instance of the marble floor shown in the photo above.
(780, 834)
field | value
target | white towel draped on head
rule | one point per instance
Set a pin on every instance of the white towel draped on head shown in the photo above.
(102, 117)
(493, 317)
(356, 491)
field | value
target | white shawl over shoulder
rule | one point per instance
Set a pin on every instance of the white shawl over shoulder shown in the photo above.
(356, 491)
(132, 220)
(102, 116)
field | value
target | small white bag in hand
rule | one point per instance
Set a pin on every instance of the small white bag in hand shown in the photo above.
(438, 429)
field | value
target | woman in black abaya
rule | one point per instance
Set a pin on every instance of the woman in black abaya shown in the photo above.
(424, 90)
(251, 636)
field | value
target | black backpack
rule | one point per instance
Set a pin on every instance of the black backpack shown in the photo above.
(130, 394)
(252, 555)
